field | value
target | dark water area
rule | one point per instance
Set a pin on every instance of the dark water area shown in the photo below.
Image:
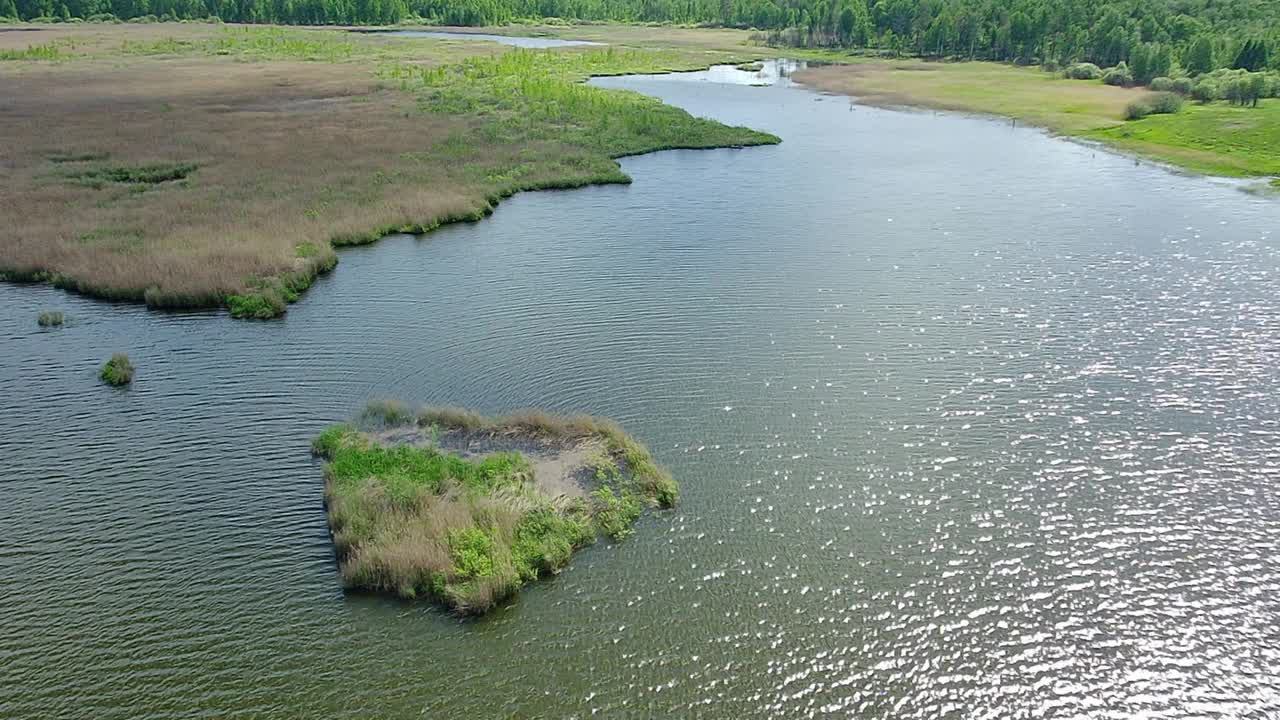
(970, 422)
(514, 40)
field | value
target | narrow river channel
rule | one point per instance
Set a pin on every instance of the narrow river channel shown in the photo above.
(970, 422)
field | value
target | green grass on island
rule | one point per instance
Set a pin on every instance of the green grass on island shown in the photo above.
(465, 509)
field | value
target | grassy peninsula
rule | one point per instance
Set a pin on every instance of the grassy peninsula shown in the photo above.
(466, 509)
(1213, 138)
(199, 165)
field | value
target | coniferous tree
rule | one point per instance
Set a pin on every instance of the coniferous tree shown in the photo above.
(1199, 57)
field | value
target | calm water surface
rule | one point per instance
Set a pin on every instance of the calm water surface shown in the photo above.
(970, 423)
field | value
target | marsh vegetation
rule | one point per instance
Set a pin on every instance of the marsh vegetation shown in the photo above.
(466, 509)
(161, 175)
(117, 371)
(50, 318)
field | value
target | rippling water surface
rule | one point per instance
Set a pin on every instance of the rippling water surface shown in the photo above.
(970, 423)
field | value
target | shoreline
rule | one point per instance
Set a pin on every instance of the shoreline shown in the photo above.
(276, 292)
(301, 279)
(1080, 111)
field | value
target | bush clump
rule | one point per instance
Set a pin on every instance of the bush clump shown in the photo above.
(262, 305)
(1083, 71)
(1182, 86)
(50, 318)
(1161, 103)
(1204, 91)
(1239, 87)
(415, 519)
(1120, 75)
(117, 371)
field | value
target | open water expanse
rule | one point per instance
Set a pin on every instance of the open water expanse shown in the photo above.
(970, 423)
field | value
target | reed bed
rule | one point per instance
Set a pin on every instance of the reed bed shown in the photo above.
(117, 371)
(222, 167)
(50, 318)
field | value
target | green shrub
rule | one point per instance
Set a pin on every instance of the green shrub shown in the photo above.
(1083, 71)
(1182, 85)
(117, 371)
(1120, 75)
(1205, 91)
(260, 305)
(545, 540)
(50, 318)
(1165, 103)
(1137, 110)
(1161, 84)
(472, 550)
(1162, 103)
(615, 512)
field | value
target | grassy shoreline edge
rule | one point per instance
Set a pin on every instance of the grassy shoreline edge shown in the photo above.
(267, 297)
(1213, 140)
(464, 509)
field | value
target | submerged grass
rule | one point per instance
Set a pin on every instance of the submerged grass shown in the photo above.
(416, 520)
(50, 318)
(117, 371)
(384, 135)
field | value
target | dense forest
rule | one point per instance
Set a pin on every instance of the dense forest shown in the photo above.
(1198, 35)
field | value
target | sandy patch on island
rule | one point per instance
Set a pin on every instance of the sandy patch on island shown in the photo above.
(560, 468)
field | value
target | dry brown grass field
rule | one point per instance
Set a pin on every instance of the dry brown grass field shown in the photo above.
(183, 164)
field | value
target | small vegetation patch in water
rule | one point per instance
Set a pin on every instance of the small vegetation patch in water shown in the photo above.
(466, 509)
(50, 318)
(117, 371)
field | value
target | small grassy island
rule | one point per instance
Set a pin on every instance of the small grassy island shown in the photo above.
(117, 371)
(467, 509)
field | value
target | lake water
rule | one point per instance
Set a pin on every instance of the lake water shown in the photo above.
(516, 40)
(970, 423)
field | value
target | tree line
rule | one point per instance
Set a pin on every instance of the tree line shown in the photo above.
(1200, 35)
